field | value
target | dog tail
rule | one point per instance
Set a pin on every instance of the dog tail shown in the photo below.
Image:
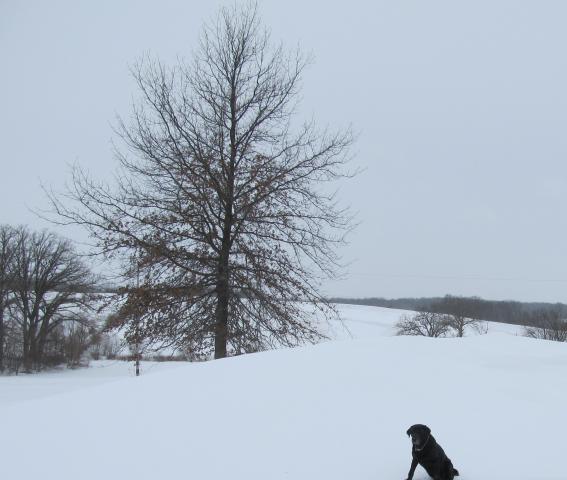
(455, 472)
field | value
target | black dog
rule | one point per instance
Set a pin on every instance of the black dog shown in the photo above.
(429, 454)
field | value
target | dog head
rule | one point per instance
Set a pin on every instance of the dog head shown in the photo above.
(419, 435)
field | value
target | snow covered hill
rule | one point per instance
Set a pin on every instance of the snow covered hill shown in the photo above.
(338, 410)
(364, 322)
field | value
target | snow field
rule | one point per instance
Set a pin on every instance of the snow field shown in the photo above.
(332, 411)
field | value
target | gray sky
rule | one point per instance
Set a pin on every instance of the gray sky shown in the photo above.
(461, 109)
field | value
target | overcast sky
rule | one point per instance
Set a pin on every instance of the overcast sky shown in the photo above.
(461, 109)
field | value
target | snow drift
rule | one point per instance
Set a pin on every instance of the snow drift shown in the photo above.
(332, 411)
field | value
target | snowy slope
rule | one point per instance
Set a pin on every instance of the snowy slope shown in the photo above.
(356, 322)
(333, 411)
(364, 322)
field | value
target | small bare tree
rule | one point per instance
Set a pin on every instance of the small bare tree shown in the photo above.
(458, 313)
(104, 345)
(77, 340)
(13, 352)
(221, 197)
(426, 324)
(549, 325)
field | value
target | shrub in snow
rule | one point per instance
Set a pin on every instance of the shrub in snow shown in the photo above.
(426, 324)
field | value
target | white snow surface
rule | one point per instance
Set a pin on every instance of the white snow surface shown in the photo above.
(337, 410)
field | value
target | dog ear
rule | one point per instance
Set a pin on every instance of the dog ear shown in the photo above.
(427, 429)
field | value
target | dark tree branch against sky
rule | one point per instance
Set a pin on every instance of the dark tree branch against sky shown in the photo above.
(220, 198)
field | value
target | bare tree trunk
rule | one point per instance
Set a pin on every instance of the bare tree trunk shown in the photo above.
(47, 324)
(7, 250)
(223, 281)
(40, 349)
(223, 298)
(26, 348)
(221, 325)
(29, 356)
(2, 336)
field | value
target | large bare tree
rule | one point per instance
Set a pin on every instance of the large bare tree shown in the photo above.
(225, 203)
(51, 286)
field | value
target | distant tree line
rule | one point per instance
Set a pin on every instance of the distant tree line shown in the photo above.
(550, 325)
(448, 316)
(45, 300)
(530, 314)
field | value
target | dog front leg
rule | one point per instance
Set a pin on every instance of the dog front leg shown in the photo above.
(412, 468)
